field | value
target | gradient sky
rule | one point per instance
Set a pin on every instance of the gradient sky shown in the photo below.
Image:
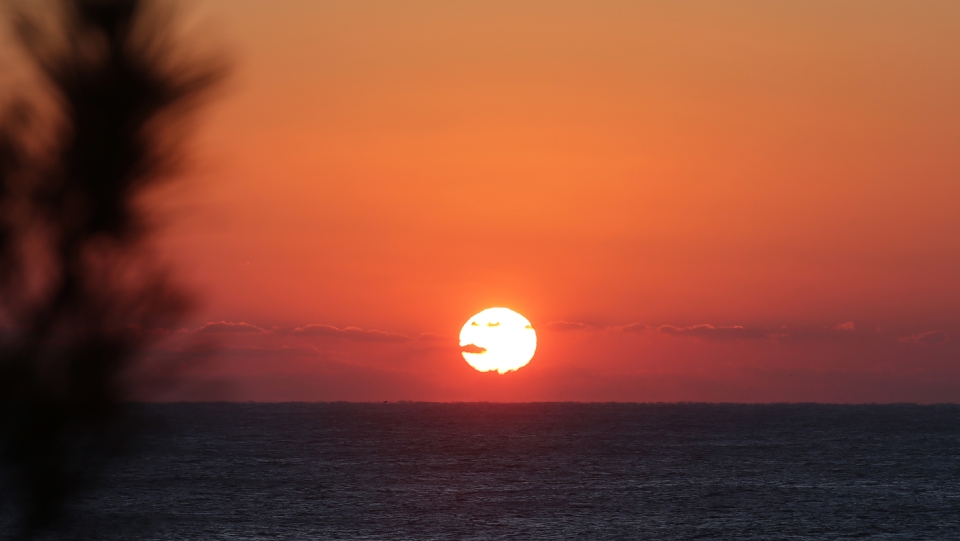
(697, 201)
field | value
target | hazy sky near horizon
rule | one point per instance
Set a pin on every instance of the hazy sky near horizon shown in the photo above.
(703, 201)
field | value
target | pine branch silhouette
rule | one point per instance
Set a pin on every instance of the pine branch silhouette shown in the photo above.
(79, 287)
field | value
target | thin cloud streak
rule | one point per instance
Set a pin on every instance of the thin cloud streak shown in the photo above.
(226, 326)
(710, 332)
(633, 328)
(355, 334)
(566, 326)
(929, 338)
(206, 351)
(473, 348)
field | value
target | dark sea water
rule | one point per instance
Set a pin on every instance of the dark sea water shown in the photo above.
(534, 471)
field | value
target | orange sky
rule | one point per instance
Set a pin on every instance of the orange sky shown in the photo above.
(618, 172)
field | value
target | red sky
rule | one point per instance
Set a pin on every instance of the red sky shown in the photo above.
(696, 201)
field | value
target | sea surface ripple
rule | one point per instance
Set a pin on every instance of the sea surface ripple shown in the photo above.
(423, 471)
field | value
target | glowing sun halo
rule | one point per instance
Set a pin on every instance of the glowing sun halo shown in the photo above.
(498, 339)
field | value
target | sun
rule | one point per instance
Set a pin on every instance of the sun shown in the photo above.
(498, 339)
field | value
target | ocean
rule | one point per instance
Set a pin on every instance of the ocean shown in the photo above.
(478, 471)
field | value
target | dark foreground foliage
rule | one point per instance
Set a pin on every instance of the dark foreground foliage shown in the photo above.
(79, 289)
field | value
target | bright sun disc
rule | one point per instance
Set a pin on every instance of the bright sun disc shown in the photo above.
(498, 339)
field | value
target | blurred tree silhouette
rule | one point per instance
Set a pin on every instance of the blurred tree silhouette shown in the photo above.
(79, 289)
